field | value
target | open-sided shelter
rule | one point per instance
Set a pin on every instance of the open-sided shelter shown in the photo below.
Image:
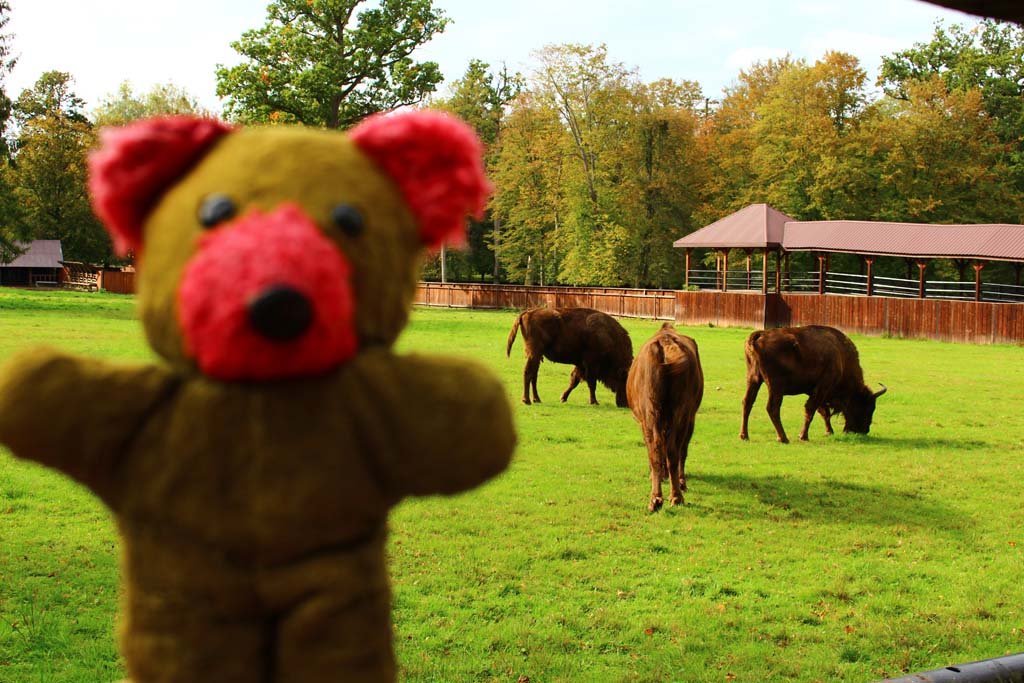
(39, 265)
(761, 228)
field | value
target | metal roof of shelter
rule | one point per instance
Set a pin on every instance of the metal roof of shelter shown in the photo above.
(756, 227)
(39, 254)
(761, 226)
(1001, 242)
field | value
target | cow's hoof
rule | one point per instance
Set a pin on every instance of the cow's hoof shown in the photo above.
(676, 500)
(564, 399)
(526, 401)
(803, 437)
(744, 437)
(783, 439)
(654, 505)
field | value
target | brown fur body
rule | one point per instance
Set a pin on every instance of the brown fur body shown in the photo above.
(815, 360)
(665, 388)
(592, 341)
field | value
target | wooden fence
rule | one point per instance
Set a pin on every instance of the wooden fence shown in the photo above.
(946, 320)
(118, 282)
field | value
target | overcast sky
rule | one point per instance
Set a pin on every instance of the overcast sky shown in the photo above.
(181, 41)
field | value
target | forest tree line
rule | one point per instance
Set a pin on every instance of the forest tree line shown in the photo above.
(596, 171)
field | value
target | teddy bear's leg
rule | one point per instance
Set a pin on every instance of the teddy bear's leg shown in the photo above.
(197, 650)
(330, 637)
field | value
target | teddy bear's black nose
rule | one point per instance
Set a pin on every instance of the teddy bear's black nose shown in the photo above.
(280, 313)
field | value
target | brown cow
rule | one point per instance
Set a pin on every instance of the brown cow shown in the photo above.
(815, 360)
(665, 388)
(594, 342)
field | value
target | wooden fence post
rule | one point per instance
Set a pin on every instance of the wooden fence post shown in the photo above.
(977, 280)
(921, 265)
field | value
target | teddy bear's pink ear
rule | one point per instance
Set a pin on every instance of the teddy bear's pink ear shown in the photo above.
(437, 162)
(135, 165)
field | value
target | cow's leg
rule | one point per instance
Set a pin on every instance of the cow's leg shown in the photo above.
(530, 377)
(656, 462)
(674, 464)
(656, 499)
(814, 404)
(574, 380)
(592, 385)
(753, 386)
(683, 452)
(774, 406)
(827, 417)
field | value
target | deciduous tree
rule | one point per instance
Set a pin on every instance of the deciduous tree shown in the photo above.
(331, 62)
(126, 105)
(53, 142)
(11, 227)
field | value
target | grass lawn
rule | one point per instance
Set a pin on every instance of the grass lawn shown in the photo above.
(845, 558)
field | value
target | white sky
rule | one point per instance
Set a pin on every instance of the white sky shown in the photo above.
(146, 42)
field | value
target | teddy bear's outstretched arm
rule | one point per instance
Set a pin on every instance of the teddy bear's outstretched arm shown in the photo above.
(75, 414)
(443, 425)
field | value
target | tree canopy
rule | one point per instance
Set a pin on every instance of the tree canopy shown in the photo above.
(331, 62)
(52, 146)
(161, 100)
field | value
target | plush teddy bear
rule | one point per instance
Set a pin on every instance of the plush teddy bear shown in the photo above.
(251, 471)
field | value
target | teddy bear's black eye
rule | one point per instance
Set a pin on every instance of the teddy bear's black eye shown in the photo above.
(349, 219)
(215, 209)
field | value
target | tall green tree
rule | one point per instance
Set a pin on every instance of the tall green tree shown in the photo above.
(800, 127)
(531, 173)
(661, 176)
(52, 146)
(11, 226)
(331, 62)
(481, 98)
(163, 99)
(591, 94)
(727, 141)
(989, 57)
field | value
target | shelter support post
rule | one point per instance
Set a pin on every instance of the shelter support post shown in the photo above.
(921, 265)
(749, 252)
(778, 271)
(821, 273)
(789, 275)
(764, 271)
(977, 280)
(725, 270)
(686, 271)
(870, 261)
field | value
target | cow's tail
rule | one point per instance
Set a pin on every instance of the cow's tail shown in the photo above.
(752, 351)
(674, 358)
(512, 334)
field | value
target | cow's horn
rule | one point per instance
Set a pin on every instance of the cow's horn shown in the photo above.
(881, 391)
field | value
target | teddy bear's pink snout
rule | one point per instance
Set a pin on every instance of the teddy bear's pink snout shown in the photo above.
(267, 296)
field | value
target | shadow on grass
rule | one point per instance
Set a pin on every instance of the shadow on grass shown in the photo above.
(832, 500)
(918, 444)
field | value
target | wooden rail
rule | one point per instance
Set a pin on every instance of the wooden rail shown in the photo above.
(946, 320)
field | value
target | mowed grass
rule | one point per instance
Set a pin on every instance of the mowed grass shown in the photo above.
(845, 558)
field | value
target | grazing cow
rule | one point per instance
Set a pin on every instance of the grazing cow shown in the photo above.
(594, 342)
(815, 360)
(665, 388)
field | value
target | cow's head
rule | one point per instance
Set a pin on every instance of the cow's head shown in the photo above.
(860, 409)
(278, 252)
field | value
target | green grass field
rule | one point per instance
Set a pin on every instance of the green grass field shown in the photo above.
(844, 558)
